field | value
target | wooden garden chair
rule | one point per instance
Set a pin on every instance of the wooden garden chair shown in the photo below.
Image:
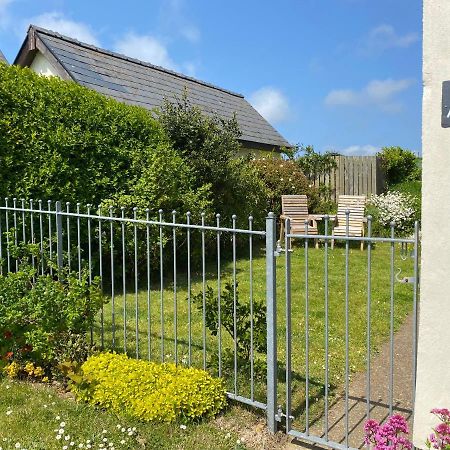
(295, 208)
(356, 204)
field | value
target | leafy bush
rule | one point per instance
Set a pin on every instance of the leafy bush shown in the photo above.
(209, 145)
(414, 190)
(399, 165)
(312, 163)
(283, 177)
(59, 140)
(392, 207)
(148, 391)
(40, 317)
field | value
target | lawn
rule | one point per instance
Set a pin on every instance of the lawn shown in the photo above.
(380, 318)
(32, 415)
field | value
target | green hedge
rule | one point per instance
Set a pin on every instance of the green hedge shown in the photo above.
(59, 140)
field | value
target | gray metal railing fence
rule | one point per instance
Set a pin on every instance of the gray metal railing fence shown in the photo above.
(149, 270)
(167, 280)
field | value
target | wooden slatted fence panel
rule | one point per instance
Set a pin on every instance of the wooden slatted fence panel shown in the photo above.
(354, 175)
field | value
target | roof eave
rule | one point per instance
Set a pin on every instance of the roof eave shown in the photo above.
(31, 46)
(252, 145)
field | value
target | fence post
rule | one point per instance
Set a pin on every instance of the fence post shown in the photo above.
(59, 238)
(271, 305)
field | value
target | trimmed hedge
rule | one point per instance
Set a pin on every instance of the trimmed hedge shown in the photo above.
(147, 390)
(59, 140)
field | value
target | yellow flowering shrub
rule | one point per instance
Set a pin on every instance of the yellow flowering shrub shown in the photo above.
(12, 370)
(147, 390)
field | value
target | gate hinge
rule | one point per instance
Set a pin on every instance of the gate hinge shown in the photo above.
(280, 415)
(278, 250)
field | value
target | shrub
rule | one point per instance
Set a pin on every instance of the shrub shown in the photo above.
(243, 318)
(312, 163)
(393, 207)
(414, 190)
(59, 140)
(147, 390)
(399, 165)
(283, 177)
(210, 146)
(40, 317)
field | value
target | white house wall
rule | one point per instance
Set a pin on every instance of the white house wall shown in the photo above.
(42, 66)
(433, 372)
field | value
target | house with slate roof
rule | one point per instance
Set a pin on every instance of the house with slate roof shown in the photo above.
(140, 83)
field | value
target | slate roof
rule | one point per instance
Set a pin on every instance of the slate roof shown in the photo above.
(2, 57)
(139, 83)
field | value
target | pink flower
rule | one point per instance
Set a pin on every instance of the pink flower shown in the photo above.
(389, 435)
(440, 439)
(441, 411)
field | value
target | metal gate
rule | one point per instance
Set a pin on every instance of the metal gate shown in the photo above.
(350, 333)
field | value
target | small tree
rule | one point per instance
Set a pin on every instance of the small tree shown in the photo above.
(210, 146)
(312, 163)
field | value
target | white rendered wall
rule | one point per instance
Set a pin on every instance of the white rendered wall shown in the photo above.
(42, 66)
(433, 371)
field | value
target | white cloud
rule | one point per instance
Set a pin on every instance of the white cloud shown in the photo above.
(191, 33)
(340, 97)
(174, 20)
(360, 150)
(379, 93)
(56, 21)
(384, 37)
(271, 104)
(146, 48)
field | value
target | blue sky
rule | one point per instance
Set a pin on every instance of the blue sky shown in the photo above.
(342, 75)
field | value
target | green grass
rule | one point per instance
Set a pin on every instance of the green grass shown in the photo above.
(34, 407)
(37, 412)
(380, 317)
